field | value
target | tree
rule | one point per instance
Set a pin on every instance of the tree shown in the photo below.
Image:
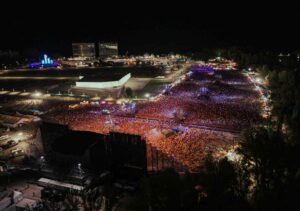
(86, 200)
(285, 98)
(166, 191)
(224, 186)
(266, 156)
(92, 199)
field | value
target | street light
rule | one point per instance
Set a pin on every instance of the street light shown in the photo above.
(42, 162)
(80, 170)
(258, 80)
(37, 94)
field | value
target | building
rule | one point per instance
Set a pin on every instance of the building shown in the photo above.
(126, 155)
(17, 200)
(220, 63)
(84, 50)
(44, 182)
(108, 49)
(105, 82)
(115, 152)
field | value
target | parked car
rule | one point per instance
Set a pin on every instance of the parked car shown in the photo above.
(17, 152)
(4, 137)
(11, 143)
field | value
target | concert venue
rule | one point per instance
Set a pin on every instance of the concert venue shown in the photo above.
(172, 110)
(201, 112)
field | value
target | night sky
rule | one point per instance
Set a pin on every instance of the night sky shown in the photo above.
(150, 27)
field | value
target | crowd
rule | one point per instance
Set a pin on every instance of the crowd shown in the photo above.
(191, 146)
(187, 147)
(229, 106)
(225, 104)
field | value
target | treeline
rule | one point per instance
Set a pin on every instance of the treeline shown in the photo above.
(249, 57)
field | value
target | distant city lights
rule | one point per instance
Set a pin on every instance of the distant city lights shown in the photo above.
(37, 94)
(46, 62)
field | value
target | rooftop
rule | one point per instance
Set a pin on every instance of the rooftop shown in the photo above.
(105, 76)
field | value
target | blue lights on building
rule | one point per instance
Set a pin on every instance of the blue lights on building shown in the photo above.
(46, 62)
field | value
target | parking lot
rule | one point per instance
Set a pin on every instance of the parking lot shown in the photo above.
(19, 142)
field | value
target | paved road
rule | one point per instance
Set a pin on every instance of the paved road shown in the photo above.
(38, 78)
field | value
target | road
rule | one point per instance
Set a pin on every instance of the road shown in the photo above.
(39, 78)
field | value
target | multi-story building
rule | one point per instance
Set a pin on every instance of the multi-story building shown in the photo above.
(108, 49)
(84, 50)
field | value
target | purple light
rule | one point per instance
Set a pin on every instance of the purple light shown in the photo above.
(35, 65)
(202, 69)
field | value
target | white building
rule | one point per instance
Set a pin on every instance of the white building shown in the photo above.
(103, 83)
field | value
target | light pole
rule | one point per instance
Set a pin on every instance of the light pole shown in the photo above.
(147, 95)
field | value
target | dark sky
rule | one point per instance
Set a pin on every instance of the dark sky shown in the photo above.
(150, 26)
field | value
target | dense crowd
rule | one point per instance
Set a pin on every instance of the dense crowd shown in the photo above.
(188, 147)
(191, 146)
(214, 103)
(229, 105)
